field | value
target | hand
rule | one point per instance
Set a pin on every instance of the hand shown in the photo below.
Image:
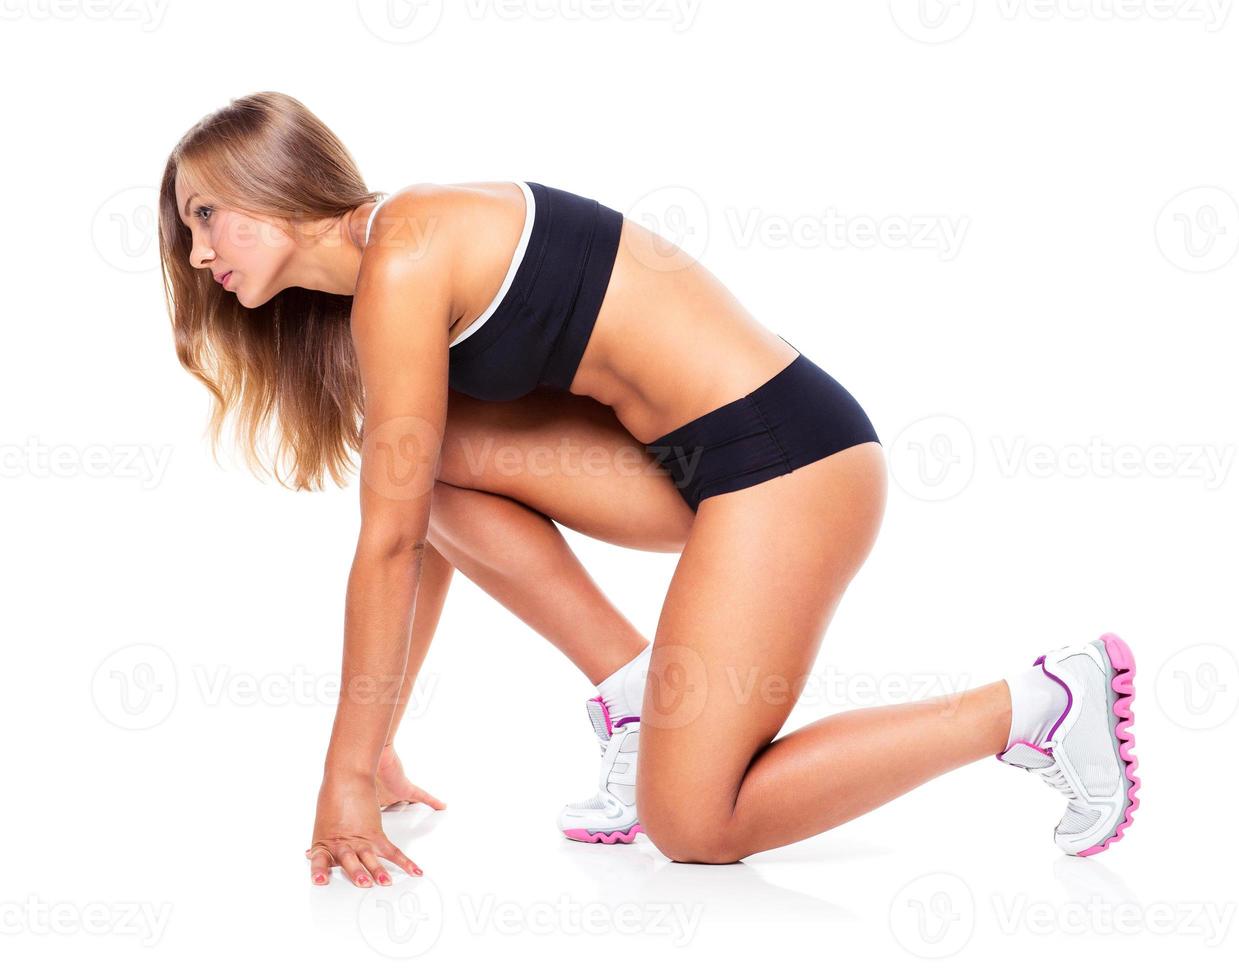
(394, 787)
(348, 831)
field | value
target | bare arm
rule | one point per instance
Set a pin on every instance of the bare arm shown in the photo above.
(401, 317)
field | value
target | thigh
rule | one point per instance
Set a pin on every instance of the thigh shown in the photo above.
(568, 457)
(755, 587)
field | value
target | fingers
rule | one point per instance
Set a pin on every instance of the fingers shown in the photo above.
(424, 797)
(362, 865)
(372, 863)
(397, 856)
(357, 872)
(320, 864)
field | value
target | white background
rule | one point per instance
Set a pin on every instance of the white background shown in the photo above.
(1055, 386)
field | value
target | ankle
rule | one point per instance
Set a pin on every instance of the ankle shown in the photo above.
(1036, 701)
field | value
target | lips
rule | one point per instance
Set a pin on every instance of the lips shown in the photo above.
(223, 280)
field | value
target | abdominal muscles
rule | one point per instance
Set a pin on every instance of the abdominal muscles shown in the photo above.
(671, 342)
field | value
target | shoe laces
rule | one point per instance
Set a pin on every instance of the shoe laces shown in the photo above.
(1054, 776)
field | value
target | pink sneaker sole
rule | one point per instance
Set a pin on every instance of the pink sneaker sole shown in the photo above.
(1124, 684)
(599, 837)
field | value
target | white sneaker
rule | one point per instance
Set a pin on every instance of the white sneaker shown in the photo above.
(1088, 754)
(610, 816)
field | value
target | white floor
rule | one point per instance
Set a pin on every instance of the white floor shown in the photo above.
(185, 840)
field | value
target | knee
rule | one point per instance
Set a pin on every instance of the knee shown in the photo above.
(691, 842)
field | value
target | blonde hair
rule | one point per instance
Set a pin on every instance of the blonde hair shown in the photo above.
(288, 364)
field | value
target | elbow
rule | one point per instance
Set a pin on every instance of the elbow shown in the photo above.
(393, 546)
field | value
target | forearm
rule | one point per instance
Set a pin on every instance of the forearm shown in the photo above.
(431, 594)
(378, 617)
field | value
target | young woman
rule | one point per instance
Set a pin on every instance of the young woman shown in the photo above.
(439, 327)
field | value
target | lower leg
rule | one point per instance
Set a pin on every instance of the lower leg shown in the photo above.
(519, 557)
(837, 768)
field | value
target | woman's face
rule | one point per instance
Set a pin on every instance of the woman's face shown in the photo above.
(245, 254)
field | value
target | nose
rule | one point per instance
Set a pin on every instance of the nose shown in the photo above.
(199, 256)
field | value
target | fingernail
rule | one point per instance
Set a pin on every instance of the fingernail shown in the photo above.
(319, 879)
(417, 871)
(384, 880)
(363, 881)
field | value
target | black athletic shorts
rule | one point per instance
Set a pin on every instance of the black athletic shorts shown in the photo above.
(800, 415)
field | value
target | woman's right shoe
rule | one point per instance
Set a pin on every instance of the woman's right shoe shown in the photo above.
(1089, 753)
(610, 815)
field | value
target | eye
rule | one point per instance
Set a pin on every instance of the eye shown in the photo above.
(200, 208)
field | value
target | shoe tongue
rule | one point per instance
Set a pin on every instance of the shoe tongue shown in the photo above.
(599, 718)
(1026, 756)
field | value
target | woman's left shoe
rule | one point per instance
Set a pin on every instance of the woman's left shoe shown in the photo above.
(1089, 753)
(610, 815)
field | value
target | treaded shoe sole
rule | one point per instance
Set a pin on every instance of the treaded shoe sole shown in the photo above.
(1123, 684)
(603, 837)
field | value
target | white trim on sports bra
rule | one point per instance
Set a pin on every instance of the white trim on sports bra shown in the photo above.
(512, 266)
(519, 254)
(370, 220)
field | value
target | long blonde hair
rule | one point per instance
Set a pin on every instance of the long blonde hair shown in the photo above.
(288, 365)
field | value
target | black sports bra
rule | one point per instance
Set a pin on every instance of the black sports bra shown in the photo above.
(535, 329)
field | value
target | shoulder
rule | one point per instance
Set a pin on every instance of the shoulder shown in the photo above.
(409, 265)
(416, 233)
